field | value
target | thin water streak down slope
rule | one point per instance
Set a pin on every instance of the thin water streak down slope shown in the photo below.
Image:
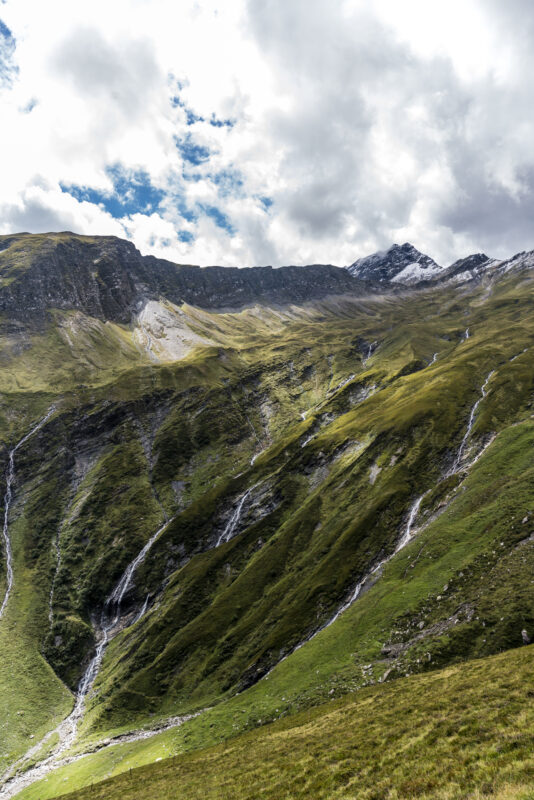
(227, 533)
(10, 477)
(408, 531)
(459, 458)
(109, 621)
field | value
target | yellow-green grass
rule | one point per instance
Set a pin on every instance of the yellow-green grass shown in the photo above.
(465, 731)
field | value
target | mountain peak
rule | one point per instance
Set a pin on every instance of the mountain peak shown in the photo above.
(401, 263)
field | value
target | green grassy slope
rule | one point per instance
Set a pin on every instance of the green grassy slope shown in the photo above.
(328, 498)
(465, 731)
(487, 602)
(321, 536)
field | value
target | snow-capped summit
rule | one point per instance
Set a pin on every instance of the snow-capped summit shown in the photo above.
(402, 264)
(521, 261)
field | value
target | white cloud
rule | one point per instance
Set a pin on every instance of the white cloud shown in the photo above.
(364, 123)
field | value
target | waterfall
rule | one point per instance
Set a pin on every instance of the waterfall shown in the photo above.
(116, 597)
(8, 497)
(370, 351)
(110, 618)
(405, 538)
(472, 416)
(68, 728)
(108, 628)
(519, 354)
(407, 534)
(142, 611)
(408, 531)
(403, 541)
(228, 532)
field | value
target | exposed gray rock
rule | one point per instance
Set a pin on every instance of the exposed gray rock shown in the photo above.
(108, 278)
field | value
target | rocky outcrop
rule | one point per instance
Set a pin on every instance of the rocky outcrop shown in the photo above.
(96, 275)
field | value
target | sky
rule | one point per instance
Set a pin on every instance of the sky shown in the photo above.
(246, 132)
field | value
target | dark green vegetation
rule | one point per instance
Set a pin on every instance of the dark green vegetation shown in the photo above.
(152, 423)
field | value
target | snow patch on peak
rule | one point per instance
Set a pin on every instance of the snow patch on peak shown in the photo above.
(524, 260)
(402, 263)
(412, 273)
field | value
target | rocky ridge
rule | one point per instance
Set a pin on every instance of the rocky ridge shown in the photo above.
(109, 279)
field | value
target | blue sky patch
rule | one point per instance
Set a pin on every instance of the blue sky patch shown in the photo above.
(228, 181)
(7, 49)
(132, 193)
(193, 153)
(28, 108)
(266, 202)
(5, 33)
(219, 217)
(191, 117)
(221, 123)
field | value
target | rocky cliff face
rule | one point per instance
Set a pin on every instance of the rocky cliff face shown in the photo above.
(108, 278)
(97, 275)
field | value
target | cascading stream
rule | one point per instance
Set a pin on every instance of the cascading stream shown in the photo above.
(109, 620)
(407, 535)
(370, 352)
(22, 781)
(108, 627)
(460, 455)
(8, 497)
(408, 531)
(67, 729)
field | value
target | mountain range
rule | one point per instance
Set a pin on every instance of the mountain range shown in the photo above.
(261, 510)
